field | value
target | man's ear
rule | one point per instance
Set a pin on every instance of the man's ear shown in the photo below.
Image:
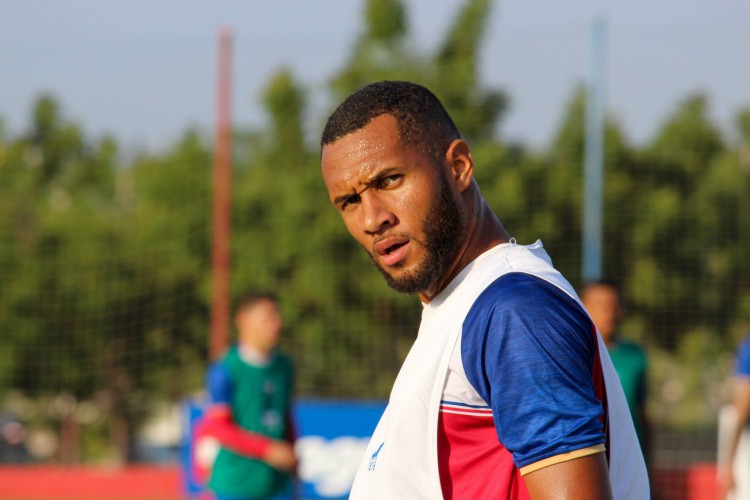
(461, 164)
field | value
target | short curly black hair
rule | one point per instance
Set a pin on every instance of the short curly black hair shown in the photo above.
(421, 118)
(251, 298)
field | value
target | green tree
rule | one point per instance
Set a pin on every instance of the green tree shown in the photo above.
(381, 52)
(102, 269)
(671, 233)
(456, 79)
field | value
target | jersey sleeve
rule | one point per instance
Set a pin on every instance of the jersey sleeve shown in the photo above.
(219, 385)
(218, 420)
(742, 365)
(530, 351)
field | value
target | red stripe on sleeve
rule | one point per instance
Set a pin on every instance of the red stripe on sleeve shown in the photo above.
(218, 423)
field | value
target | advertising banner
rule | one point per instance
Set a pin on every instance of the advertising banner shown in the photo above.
(332, 438)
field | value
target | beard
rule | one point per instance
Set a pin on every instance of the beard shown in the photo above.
(443, 231)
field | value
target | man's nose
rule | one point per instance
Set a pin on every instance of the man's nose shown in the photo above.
(377, 215)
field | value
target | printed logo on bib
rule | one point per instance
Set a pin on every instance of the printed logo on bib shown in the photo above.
(374, 457)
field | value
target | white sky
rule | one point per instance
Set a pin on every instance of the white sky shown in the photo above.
(145, 71)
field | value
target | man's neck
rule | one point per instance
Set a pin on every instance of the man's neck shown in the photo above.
(485, 231)
(253, 356)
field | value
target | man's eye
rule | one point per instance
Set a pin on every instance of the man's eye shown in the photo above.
(352, 200)
(387, 181)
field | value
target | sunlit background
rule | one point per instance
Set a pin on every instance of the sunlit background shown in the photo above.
(107, 115)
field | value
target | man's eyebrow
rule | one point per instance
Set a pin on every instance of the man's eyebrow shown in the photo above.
(372, 180)
(343, 197)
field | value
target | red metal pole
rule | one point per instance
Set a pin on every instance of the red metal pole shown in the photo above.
(222, 201)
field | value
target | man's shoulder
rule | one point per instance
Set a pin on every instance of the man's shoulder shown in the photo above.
(229, 353)
(742, 366)
(229, 358)
(744, 345)
(517, 289)
(219, 383)
(521, 306)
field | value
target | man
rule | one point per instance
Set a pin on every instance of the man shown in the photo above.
(603, 303)
(506, 392)
(250, 390)
(741, 405)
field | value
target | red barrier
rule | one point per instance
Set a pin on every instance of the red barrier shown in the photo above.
(669, 484)
(702, 483)
(84, 483)
(165, 483)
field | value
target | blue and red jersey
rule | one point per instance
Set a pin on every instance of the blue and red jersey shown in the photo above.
(524, 390)
(742, 363)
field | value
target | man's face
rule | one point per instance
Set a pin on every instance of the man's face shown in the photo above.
(260, 325)
(396, 201)
(603, 304)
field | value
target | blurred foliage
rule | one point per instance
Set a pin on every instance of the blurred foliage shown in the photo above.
(104, 264)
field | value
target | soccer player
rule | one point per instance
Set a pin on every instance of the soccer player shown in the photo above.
(603, 302)
(250, 392)
(507, 392)
(741, 404)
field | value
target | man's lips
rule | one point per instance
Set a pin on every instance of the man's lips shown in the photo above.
(392, 250)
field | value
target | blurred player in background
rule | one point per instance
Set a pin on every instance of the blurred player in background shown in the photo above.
(603, 302)
(250, 391)
(741, 404)
(507, 391)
